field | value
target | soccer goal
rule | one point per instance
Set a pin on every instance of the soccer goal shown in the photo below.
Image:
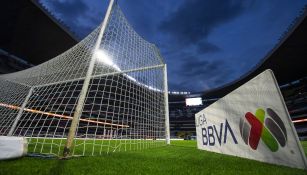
(108, 93)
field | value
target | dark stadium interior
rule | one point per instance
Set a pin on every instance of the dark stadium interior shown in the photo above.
(22, 34)
(26, 42)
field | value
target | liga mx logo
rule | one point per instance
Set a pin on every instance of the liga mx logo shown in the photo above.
(267, 127)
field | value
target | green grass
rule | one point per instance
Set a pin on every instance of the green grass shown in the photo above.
(182, 157)
(304, 145)
(88, 146)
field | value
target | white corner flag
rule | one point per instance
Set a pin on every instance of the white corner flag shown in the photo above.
(251, 122)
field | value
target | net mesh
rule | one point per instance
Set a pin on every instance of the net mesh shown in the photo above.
(124, 106)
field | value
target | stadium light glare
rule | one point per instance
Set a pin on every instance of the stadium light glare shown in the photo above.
(105, 58)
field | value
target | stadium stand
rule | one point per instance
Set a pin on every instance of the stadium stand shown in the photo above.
(182, 121)
(10, 63)
(295, 95)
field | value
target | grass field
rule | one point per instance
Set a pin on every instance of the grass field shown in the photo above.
(182, 157)
(89, 146)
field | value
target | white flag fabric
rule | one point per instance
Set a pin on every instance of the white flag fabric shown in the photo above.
(251, 122)
(12, 147)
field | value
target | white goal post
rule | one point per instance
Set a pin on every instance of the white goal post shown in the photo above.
(107, 93)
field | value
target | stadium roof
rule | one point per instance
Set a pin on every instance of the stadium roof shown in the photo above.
(286, 60)
(29, 25)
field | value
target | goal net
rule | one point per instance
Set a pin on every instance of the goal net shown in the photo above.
(107, 93)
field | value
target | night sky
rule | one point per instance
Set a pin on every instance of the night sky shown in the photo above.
(205, 43)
